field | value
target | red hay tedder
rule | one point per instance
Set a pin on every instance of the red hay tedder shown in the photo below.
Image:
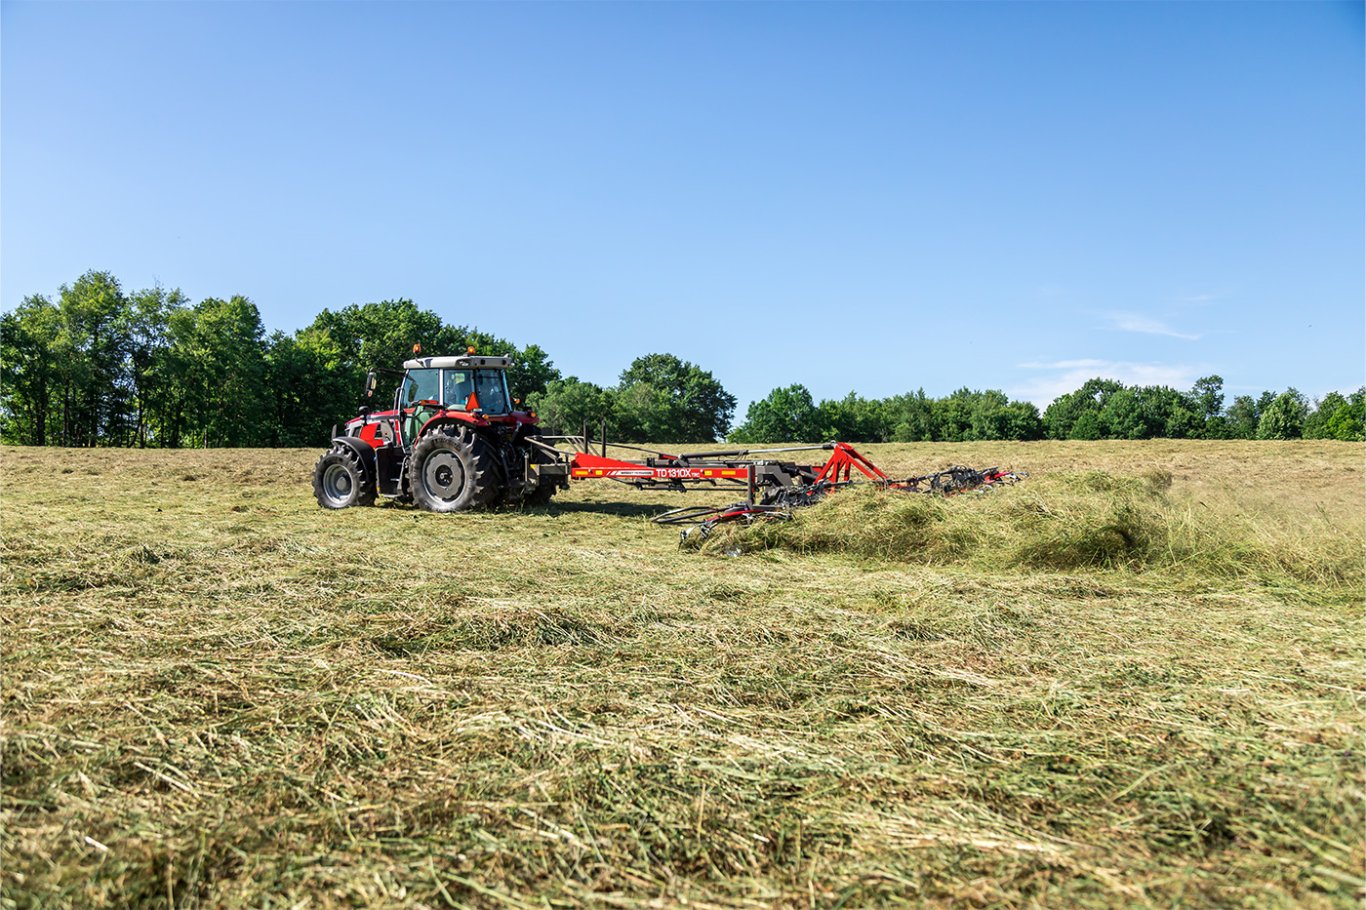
(453, 441)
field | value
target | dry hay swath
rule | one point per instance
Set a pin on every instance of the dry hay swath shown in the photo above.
(1061, 521)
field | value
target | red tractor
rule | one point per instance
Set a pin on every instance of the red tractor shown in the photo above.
(452, 441)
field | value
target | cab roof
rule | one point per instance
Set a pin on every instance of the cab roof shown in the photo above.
(463, 362)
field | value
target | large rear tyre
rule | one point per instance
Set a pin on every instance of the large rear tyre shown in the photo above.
(339, 480)
(451, 473)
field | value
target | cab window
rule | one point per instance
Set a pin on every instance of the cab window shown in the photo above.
(459, 384)
(491, 386)
(421, 385)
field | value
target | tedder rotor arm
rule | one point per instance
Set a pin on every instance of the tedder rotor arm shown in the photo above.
(763, 478)
(768, 482)
(841, 462)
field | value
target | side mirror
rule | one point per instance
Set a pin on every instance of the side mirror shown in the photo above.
(370, 383)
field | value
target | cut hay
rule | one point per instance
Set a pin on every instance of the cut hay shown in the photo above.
(217, 694)
(1063, 521)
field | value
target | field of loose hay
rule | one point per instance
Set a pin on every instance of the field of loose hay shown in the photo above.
(1135, 679)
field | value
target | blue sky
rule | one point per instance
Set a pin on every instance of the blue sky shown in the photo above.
(876, 197)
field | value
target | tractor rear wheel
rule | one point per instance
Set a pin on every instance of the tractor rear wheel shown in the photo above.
(451, 473)
(339, 480)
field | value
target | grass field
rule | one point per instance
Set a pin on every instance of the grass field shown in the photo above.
(1074, 692)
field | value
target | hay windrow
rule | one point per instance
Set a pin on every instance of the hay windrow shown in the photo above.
(1062, 521)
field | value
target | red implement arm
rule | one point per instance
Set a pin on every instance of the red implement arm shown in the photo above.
(769, 481)
(843, 460)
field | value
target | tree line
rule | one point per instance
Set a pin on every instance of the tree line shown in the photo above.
(100, 366)
(1100, 409)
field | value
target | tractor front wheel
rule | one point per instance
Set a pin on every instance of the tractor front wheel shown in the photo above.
(339, 480)
(449, 473)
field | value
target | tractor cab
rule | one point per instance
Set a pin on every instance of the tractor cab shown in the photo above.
(471, 383)
(452, 441)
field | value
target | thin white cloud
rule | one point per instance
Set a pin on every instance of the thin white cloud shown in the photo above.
(1201, 295)
(1068, 375)
(1145, 325)
(1084, 364)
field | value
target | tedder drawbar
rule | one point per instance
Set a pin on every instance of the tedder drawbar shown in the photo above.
(454, 440)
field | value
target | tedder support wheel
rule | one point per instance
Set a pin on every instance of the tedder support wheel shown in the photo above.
(339, 480)
(451, 473)
(542, 494)
(545, 489)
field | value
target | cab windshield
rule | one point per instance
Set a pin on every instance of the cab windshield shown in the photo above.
(489, 388)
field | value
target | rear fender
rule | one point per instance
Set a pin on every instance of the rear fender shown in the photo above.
(455, 418)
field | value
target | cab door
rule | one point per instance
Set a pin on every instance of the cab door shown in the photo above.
(419, 400)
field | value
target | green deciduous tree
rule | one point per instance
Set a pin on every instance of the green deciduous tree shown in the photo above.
(378, 336)
(149, 367)
(1207, 397)
(304, 383)
(1241, 420)
(784, 415)
(1149, 412)
(953, 416)
(1088, 426)
(29, 372)
(91, 347)
(1338, 417)
(994, 416)
(531, 372)
(218, 354)
(1316, 423)
(910, 417)
(1076, 415)
(970, 414)
(661, 398)
(1349, 423)
(854, 418)
(1023, 421)
(567, 405)
(1283, 417)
